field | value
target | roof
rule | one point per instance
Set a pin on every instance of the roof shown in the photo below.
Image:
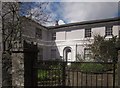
(23, 17)
(78, 23)
(86, 22)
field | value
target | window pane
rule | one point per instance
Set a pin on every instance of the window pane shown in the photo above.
(38, 33)
(119, 33)
(53, 53)
(88, 32)
(53, 36)
(40, 54)
(108, 31)
(87, 53)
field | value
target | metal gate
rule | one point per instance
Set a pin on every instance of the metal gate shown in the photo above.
(59, 73)
(30, 57)
(50, 73)
(76, 74)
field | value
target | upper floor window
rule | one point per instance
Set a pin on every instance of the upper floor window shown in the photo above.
(108, 31)
(119, 33)
(87, 53)
(53, 36)
(88, 32)
(40, 54)
(38, 33)
(53, 53)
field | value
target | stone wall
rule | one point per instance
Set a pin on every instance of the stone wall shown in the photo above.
(119, 69)
(17, 70)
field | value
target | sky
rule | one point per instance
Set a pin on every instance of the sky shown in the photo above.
(71, 12)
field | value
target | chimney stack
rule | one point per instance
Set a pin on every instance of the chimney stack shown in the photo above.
(56, 23)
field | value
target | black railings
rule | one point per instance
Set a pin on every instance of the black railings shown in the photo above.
(76, 74)
(30, 57)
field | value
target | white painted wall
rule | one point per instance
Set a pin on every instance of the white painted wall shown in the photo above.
(66, 37)
(73, 37)
(116, 30)
(78, 34)
(75, 34)
(61, 35)
(98, 30)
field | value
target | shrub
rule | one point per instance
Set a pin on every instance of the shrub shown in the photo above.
(91, 67)
(75, 66)
(42, 74)
(53, 72)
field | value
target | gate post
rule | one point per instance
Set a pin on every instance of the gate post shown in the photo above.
(30, 73)
(63, 74)
(118, 68)
(34, 69)
(0, 46)
(114, 63)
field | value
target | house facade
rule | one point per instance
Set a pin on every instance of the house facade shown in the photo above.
(68, 40)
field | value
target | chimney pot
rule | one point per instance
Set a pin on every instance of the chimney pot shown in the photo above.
(56, 23)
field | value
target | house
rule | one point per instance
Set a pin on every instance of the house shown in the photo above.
(68, 40)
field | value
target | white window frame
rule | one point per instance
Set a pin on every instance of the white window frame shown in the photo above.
(87, 32)
(108, 31)
(87, 53)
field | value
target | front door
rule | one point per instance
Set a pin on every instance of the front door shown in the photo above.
(67, 55)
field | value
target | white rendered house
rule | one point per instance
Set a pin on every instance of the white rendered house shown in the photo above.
(68, 40)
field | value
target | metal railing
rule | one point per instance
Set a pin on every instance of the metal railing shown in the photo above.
(77, 74)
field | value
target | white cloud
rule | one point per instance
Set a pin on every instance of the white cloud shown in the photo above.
(62, 0)
(81, 11)
(89, 0)
(60, 22)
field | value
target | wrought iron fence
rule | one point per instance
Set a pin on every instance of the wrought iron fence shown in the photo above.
(76, 74)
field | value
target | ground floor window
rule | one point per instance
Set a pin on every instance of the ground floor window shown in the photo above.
(40, 54)
(53, 53)
(87, 53)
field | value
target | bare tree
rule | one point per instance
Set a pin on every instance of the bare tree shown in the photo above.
(11, 14)
(37, 11)
(11, 36)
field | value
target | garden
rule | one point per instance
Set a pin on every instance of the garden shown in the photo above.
(50, 72)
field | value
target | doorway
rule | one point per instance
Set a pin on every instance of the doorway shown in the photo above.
(67, 54)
